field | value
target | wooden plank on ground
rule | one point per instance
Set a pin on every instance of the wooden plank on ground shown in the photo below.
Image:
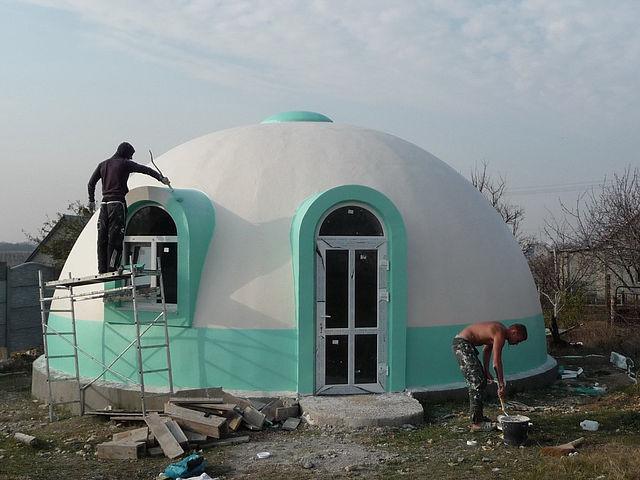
(194, 400)
(234, 422)
(124, 450)
(139, 418)
(171, 410)
(253, 417)
(226, 441)
(291, 423)
(137, 435)
(167, 442)
(119, 413)
(195, 437)
(270, 408)
(211, 426)
(282, 413)
(177, 433)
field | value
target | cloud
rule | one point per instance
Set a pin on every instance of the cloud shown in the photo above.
(572, 56)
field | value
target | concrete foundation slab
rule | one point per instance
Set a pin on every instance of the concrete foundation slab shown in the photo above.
(354, 411)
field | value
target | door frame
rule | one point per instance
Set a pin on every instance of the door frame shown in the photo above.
(351, 245)
(304, 229)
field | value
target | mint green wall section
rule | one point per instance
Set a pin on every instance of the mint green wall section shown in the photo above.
(303, 245)
(194, 217)
(430, 360)
(254, 360)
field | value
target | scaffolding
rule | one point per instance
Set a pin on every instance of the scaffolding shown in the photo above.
(131, 291)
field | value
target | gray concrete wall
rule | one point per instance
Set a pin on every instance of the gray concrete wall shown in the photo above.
(4, 351)
(23, 329)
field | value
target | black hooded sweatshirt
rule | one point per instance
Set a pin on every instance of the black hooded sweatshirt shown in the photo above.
(114, 173)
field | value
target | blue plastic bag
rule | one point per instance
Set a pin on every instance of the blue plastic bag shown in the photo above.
(190, 466)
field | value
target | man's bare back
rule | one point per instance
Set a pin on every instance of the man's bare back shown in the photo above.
(484, 333)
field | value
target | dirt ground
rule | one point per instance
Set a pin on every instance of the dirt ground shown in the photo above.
(436, 449)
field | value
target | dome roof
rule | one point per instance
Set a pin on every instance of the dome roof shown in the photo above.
(463, 263)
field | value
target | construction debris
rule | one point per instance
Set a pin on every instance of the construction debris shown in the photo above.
(26, 439)
(564, 449)
(167, 441)
(123, 450)
(195, 422)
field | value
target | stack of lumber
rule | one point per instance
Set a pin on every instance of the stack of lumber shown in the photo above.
(195, 423)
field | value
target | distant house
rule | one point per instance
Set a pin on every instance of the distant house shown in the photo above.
(13, 257)
(20, 326)
(60, 239)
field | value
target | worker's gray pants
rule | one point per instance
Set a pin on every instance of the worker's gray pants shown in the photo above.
(473, 372)
(111, 223)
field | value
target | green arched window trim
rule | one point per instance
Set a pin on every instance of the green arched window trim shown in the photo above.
(194, 216)
(303, 237)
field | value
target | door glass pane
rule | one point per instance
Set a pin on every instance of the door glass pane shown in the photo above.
(168, 253)
(366, 288)
(337, 289)
(366, 361)
(336, 360)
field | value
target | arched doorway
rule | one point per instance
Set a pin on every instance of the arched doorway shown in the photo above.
(150, 235)
(351, 293)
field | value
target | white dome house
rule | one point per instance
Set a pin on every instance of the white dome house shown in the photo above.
(306, 257)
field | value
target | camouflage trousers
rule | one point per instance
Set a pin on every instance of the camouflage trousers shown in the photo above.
(471, 368)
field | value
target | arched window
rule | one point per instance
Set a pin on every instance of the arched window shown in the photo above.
(150, 235)
(351, 221)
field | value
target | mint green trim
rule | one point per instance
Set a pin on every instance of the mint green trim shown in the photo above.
(247, 359)
(430, 360)
(194, 217)
(303, 244)
(297, 116)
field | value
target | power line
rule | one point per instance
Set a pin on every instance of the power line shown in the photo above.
(554, 188)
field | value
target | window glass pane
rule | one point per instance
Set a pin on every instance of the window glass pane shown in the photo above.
(141, 253)
(366, 361)
(351, 221)
(337, 289)
(168, 254)
(336, 367)
(151, 221)
(366, 288)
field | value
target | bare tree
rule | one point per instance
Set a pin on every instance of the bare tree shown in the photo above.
(605, 222)
(561, 274)
(494, 190)
(77, 215)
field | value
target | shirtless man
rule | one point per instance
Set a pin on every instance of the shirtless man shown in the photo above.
(492, 335)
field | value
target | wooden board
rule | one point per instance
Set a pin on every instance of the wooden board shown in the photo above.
(234, 422)
(195, 421)
(291, 423)
(177, 433)
(194, 400)
(253, 417)
(270, 408)
(282, 413)
(138, 435)
(167, 441)
(172, 409)
(195, 437)
(226, 441)
(124, 450)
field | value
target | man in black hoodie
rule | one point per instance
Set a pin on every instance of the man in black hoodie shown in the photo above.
(114, 173)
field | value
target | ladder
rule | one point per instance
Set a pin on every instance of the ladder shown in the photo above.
(130, 291)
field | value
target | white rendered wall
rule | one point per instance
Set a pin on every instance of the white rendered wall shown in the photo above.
(464, 265)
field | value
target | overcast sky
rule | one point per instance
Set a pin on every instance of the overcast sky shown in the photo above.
(545, 91)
